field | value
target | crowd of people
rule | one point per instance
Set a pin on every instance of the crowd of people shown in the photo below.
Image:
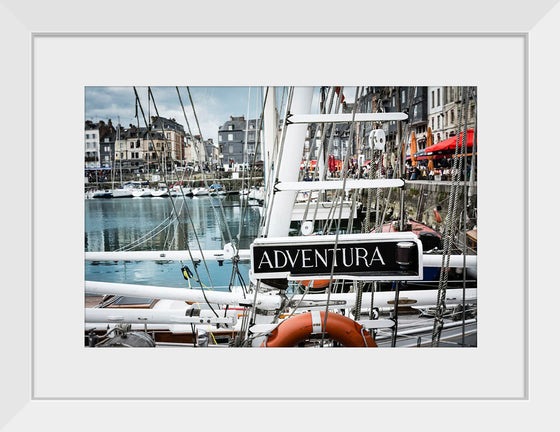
(441, 171)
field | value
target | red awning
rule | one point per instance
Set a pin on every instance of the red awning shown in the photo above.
(450, 143)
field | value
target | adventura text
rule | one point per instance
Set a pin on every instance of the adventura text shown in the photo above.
(279, 259)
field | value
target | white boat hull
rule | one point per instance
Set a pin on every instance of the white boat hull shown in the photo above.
(122, 193)
(200, 191)
(139, 193)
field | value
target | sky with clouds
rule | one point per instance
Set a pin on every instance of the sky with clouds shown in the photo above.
(213, 105)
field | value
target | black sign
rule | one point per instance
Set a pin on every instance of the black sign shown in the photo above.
(373, 259)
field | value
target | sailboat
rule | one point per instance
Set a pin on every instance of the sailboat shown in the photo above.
(318, 288)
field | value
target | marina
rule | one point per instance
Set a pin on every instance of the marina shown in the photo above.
(297, 243)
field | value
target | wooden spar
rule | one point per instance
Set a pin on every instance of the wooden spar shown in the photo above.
(455, 261)
(345, 118)
(265, 302)
(417, 298)
(337, 184)
(151, 316)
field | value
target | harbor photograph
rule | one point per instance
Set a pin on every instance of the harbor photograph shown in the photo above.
(300, 217)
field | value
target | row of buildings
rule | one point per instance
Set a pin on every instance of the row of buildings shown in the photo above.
(164, 143)
(437, 108)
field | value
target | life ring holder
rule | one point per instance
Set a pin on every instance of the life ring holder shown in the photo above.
(299, 327)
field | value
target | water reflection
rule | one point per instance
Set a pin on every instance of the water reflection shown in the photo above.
(149, 224)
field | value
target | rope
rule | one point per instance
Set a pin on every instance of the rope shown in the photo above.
(345, 177)
(449, 226)
(188, 214)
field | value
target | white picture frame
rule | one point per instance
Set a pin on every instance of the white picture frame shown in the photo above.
(26, 405)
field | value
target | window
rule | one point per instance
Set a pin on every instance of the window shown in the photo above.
(87, 136)
(452, 116)
(433, 99)
(230, 137)
(438, 97)
(122, 155)
(131, 144)
(446, 118)
(432, 123)
(438, 122)
(230, 127)
(230, 149)
(219, 138)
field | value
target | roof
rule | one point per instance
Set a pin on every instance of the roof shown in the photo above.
(166, 124)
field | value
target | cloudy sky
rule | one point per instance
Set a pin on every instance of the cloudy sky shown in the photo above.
(213, 105)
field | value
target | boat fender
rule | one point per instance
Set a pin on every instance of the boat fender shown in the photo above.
(298, 328)
(438, 217)
(187, 273)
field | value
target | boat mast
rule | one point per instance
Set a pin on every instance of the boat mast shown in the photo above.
(288, 164)
(270, 131)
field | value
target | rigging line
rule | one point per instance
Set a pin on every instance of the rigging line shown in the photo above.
(326, 129)
(145, 238)
(149, 233)
(331, 132)
(241, 221)
(184, 201)
(211, 170)
(473, 152)
(342, 194)
(449, 226)
(150, 94)
(320, 159)
(188, 213)
(344, 178)
(251, 175)
(205, 181)
(253, 165)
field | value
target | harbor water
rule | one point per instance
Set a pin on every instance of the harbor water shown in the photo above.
(150, 224)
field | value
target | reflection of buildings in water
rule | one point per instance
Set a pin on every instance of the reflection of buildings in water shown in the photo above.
(114, 224)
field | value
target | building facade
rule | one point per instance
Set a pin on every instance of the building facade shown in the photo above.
(239, 141)
(99, 143)
(435, 112)
(173, 133)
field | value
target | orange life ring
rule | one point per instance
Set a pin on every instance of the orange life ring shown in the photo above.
(319, 283)
(340, 328)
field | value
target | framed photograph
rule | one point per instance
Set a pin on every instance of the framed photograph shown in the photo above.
(51, 379)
